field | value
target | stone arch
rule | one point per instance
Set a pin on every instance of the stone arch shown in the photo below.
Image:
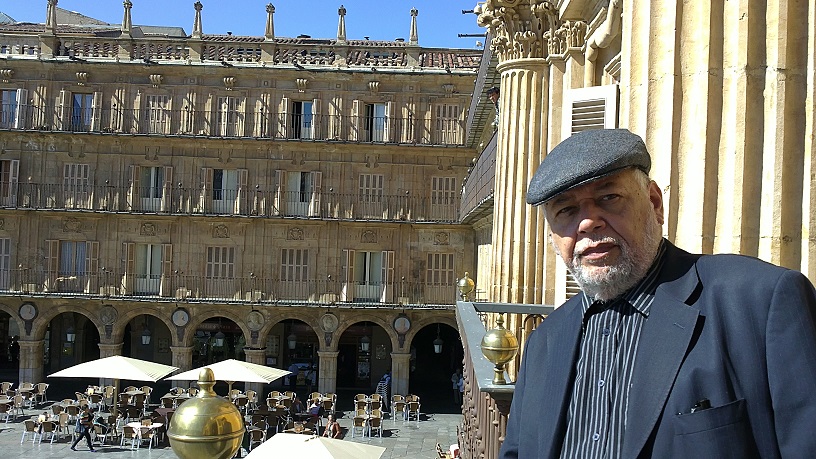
(424, 322)
(38, 330)
(13, 312)
(157, 311)
(351, 318)
(308, 318)
(201, 316)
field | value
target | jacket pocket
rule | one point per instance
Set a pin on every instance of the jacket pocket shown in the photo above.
(719, 432)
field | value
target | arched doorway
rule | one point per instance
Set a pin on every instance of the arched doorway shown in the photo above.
(9, 348)
(217, 339)
(292, 345)
(432, 371)
(147, 338)
(364, 357)
(70, 339)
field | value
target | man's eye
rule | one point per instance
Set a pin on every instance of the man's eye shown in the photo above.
(609, 197)
(565, 211)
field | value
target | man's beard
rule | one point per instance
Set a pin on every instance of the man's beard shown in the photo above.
(607, 282)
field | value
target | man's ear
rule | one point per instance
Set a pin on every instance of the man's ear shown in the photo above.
(656, 198)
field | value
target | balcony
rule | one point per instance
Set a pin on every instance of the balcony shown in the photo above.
(181, 286)
(486, 405)
(478, 188)
(233, 123)
(245, 202)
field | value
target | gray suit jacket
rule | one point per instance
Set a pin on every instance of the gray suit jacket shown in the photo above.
(731, 329)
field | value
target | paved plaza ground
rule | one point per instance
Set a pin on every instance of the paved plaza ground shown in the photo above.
(401, 440)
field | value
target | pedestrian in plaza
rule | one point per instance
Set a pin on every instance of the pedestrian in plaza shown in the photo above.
(294, 369)
(664, 353)
(455, 382)
(83, 429)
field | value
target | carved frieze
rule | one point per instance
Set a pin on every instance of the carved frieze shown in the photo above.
(518, 27)
(220, 232)
(229, 83)
(368, 237)
(442, 238)
(156, 80)
(6, 74)
(295, 234)
(82, 78)
(71, 225)
(147, 229)
(571, 35)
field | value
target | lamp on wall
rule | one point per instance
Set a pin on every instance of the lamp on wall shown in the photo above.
(437, 343)
(146, 334)
(365, 341)
(70, 336)
(219, 336)
(291, 340)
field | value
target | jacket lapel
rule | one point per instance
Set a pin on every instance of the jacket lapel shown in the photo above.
(558, 377)
(664, 341)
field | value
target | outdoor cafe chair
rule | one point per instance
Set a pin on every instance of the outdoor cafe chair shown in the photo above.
(56, 409)
(39, 392)
(147, 391)
(375, 405)
(50, 428)
(193, 391)
(19, 403)
(361, 405)
(95, 401)
(252, 399)
(397, 407)
(412, 409)
(64, 424)
(328, 407)
(360, 397)
(6, 386)
(5, 411)
(256, 437)
(130, 389)
(73, 412)
(168, 402)
(101, 435)
(315, 396)
(359, 421)
(128, 433)
(375, 423)
(274, 394)
(30, 428)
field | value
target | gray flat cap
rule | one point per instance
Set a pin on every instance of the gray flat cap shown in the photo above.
(584, 157)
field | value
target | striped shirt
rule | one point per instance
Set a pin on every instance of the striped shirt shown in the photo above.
(600, 395)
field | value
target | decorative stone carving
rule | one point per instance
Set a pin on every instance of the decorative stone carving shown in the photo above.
(2, 224)
(6, 74)
(518, 27)
(570, 36)
(448, 87)
(374, 86)
(229, 83)
(148, 229)
(221, 231)
(82, 78)
(442, 238)
(295, 234)
(368, 237)
(156, 80)
(108, 315)
(302, 83)
(71, 225)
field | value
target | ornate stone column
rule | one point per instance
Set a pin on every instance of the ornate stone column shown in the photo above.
(182, 358)
(31, 361)
(257, 356)
(327, 373)
(520, 31)
(400, 372)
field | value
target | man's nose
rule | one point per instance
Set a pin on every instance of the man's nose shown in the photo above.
(591, 218)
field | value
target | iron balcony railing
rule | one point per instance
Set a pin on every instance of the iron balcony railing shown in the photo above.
(478, 187)
(248, 201)
(181, 286)
(231, 122)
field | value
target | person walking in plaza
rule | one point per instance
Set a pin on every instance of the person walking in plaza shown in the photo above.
(83, 429)
(455, 383)
(664, 353)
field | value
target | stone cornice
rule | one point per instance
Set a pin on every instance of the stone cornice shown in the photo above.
(520, 28)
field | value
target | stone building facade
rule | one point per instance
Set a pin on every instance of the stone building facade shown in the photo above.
(292, 197)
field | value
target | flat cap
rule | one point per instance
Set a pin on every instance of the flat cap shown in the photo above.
(584, 157)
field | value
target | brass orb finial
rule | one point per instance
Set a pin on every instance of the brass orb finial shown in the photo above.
(465, 285)
(206, 425)
(499, 346)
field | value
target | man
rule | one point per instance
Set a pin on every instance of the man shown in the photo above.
(83, 429)
(665, 354)
(294, 370)
(493, 94)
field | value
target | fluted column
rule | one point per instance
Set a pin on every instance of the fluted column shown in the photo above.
(31, 361)
(257, 356)
(400, 372)
(327, 373)
(520, 31)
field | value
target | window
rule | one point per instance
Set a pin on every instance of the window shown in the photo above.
(152, 180)
(81, 111)
(595, 107)
(302, 120)
(439, 278)
(148, 268)
(76, 185)
(443, 198)
(375, 123)
(302, 192)
(369, 276)
(227, 119)
(5, 263)
(8, 109)
(224, 190)
(294, 265)
(448, 127)
(220, 262)
(157, 113)
(9, 170)
(370, 196)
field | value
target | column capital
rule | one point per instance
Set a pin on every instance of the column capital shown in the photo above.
(107, 350)
(519, 29)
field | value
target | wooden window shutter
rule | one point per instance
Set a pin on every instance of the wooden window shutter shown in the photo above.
(387, 295)
(314, 202)
(241, 198)
(21, 114)
(283, 118)
(52, 264)
(389, 122)
(96, 112)
(129, 278)
(14, 172)
(347, 293)
(167, 192)
(135, 191)
(64, 122)
(92, 267)
(317, 123)
(280, 192)
(166, 284)
(356, 120)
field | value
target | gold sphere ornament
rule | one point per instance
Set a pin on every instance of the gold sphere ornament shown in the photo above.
(465, 285)
(206, 426)
(499, 346)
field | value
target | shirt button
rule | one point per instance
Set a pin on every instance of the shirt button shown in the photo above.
(596, 436)
(600, 383)
(605, 332)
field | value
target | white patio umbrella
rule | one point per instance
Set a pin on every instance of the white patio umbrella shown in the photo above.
(117, 367)
(232, 371)
(298, 445)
